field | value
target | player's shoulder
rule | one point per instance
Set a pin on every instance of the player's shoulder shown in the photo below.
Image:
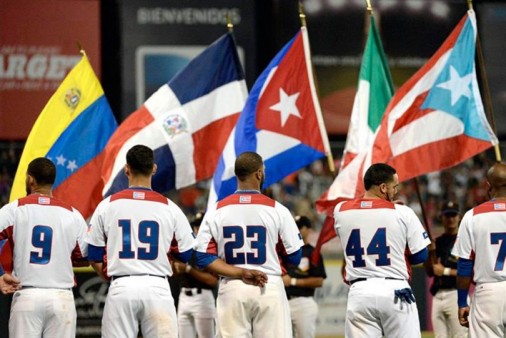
(364, 204)
(489, 206)
(247, 199)
(44, 200)
(136, 194)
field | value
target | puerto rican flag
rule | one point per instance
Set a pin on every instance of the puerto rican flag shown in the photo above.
(281, 120)
(186, 122)
(435, 120)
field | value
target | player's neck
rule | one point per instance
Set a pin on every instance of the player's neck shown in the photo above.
(248, 187)
(452, 231)
(373, 194)
(41, 191)
(139, 182)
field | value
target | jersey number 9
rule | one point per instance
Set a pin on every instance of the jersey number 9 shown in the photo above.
(42, 239)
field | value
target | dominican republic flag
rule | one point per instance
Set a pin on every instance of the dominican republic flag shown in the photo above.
(186, 122)
(374, 91)
(72, 131)
(436, 119)
(281, 120)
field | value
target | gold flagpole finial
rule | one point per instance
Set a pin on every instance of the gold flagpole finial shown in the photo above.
(369, 6)
(470, 4)
(230, 25)
(302, 15)
(81, 49)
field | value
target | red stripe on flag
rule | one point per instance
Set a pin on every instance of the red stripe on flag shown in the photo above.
(89, 191)
(436, 156)
(326, 234)
(209, 143)
(131, 126)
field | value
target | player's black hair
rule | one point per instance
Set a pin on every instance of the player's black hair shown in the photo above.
(378, 173)
(140, 159)
(42, 170)
(246, 164)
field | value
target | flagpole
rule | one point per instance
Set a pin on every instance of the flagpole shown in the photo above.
(230, 25)
(330, 158)
(369, 6)
(486, 89)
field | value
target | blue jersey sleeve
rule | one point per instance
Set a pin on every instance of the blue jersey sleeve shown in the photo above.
(184, 256)
(419, 257)
(96, 253)
(204, 259)
(293, 258)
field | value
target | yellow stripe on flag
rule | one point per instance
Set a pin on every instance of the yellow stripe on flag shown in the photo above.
(76, 93)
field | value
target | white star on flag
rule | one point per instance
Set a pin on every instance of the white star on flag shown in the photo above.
(458, 86)
(286, 105)
(60, 160)
(72, 165)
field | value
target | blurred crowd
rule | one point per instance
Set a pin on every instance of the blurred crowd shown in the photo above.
(464, 183)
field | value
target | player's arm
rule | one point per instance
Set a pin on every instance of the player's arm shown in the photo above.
(99, 269)
(429, 263)
(201, 275)
(79, 255)
(464, 273)
(308, 282)
(419, 257)
(418, 239)
(184, 240)
(96, 243)
(253, 277)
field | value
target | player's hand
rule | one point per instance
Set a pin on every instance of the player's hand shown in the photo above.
(286, 280)
(179, 267)
(9, 284)
(404, 295)
(254, 277)
(438, 269)
(463, 316)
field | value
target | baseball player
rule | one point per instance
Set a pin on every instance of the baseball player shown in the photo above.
(301, 282)
(481, 248)
(46, 235)
(136, 228)
(442, 265)
(380, 240)
(196, 309)
(248, 230)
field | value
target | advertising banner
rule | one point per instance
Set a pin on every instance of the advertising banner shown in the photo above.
(38, 46)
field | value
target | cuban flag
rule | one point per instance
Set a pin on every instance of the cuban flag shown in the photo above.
(186, 122)
(436, 119)
(281, 120)
(72, 131)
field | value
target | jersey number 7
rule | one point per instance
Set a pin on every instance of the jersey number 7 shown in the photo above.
(377, 246)
(496, 238)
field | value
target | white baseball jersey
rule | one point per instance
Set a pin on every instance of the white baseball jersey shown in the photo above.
(482, 238)
(376, 236)
(248, 230)
(45, 234)
(139, 228)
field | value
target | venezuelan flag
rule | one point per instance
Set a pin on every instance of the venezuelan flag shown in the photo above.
(72, 130)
